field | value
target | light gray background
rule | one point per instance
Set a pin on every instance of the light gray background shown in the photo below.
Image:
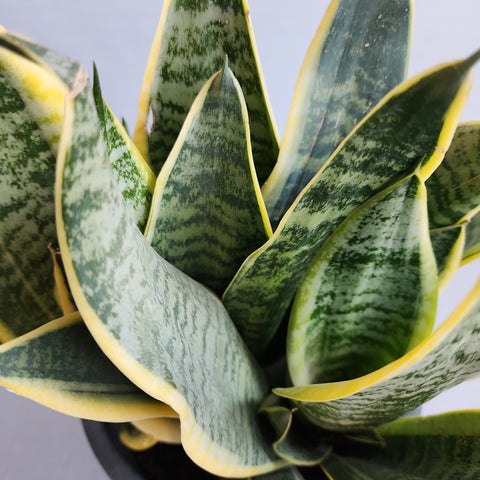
(36, 443)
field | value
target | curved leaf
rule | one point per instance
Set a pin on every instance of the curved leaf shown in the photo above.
(446, 358)
(439, 447)
(163, 330)
(208, 213)
(165, 430)
(189, 47)
(370, 294)
(31, 115)
(383, 148)
(60, 366)
(358, 55)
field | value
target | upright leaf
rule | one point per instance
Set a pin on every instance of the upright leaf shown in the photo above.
(383, 148)
(60, 365)
(359, 53)
(31, 116)
(164, 331)
(446, 358)
(190, 46)
(208, 213)
(472, 240)
(135, 179)
(370, 294)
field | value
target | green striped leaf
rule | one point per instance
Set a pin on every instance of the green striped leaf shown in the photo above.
(370, 294)
(208, 213)
(446, 358)
(472, 240)
(439, 447)
(358, 55)
(31, 115)
(448, 247)
(190, 46)
(163, 330)
(60, 366)
(135, 178)
(384, 147)
(454, 188)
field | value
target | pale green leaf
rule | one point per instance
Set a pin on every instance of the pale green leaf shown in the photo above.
(370, 294)
(208, 213)
(31, 115)
(359, 53)
(60, 366)
(383, 148)
(446, 358)
(191, 43)
(440, 447)
(163, 330)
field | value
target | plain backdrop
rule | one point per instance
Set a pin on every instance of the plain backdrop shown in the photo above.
(36, 443)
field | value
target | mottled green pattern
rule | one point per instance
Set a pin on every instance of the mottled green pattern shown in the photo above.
(60, 365)
(161, 321)
(348, 70)
(392, 141)
(134, 177)
(453, 358)
(196, 38)
(207, 218)
(64, 67)
(454, 188)
(442, 447)
(445, 244)
(472, 239)
(27, 226)
(370, 294)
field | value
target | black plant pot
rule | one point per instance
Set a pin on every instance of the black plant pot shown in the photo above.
(161, 462)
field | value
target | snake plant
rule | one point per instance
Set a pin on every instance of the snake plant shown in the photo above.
(270, 307)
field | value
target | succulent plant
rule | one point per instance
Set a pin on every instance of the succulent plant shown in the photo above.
(270, 308)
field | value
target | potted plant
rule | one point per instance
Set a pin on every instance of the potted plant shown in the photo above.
(277, 303)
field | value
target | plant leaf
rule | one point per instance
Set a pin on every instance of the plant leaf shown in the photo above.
(163, 330)
(454, 187)
(358, 55)
(31, 114)
(134, 176)
(189, 47)
(165, 430)
(472, 240)
(370, 294)
(60, 366)
(383, 148)
(446, 358)
(208, 213)
(439, 447)
(448, 246)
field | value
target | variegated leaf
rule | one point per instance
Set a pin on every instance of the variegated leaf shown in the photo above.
(358, 55)
(448, 245)
(446, 358)
(60, 366)
(164, 430)
(208, 213)
(135, 178)
(472, 240)
(163, 330)
(190, 46)
(454, 188)
(384, 147)
(31, 115)
(370, 294)
(441, 447)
